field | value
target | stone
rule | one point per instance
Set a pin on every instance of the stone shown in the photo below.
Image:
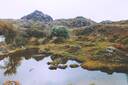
(74, 65)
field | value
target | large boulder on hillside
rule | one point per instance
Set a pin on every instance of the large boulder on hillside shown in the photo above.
(38, 16)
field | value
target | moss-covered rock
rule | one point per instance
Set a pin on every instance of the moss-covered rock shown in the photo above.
(74, 65)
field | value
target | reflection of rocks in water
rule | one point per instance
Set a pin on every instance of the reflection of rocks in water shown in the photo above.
(61, 66)
(11, 66)
(14, 59)
(53, 67)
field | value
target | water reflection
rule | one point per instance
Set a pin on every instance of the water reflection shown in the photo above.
(34, 71)
(11, 65)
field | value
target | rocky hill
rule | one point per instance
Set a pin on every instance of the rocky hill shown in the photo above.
(74, 22)
(38, 16)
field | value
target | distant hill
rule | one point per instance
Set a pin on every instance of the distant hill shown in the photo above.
(74, 22)
(121, 22)
(38, 16)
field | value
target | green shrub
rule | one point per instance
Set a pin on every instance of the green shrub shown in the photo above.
(60, 32)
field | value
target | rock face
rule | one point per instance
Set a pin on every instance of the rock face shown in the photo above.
(38, 16)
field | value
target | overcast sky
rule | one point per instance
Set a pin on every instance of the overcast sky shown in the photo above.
(97, 10)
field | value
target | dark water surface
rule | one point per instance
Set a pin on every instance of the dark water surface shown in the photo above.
(32, 72)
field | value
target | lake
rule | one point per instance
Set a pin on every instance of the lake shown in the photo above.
(33, 72)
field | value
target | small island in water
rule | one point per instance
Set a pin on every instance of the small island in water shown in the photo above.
(93, 46)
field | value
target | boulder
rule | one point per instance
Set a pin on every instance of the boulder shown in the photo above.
(74, 65)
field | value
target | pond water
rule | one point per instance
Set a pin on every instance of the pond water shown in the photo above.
(2, 38)
(33, 72)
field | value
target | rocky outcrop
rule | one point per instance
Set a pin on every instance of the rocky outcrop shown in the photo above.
(73, 22)
(38, 16)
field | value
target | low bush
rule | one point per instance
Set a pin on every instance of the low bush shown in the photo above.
(60, 32)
